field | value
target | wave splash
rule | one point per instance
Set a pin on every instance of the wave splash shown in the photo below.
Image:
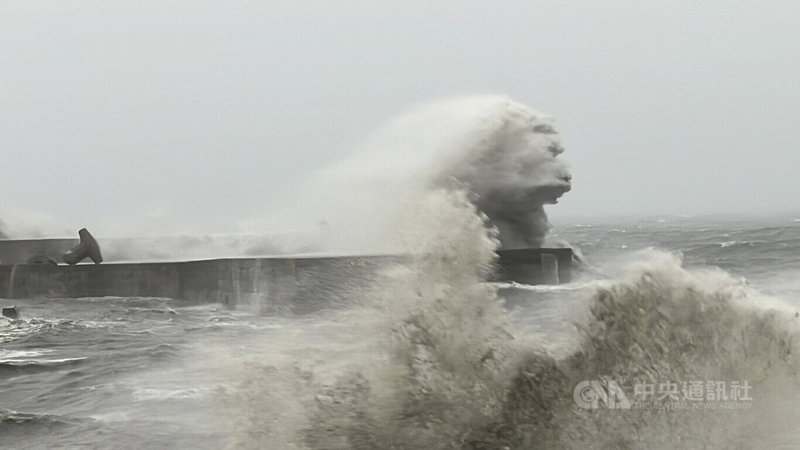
(450, 371)
(502, 152)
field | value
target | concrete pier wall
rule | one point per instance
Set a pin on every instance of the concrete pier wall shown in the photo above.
(295, 285)
(536, 266)
(17, 251)
(278, 284)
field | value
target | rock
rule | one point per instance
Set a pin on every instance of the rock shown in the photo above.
(11, 312)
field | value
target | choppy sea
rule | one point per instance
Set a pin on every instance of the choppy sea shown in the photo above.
(660, 301)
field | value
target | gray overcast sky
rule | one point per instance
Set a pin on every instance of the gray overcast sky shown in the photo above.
(148, 116)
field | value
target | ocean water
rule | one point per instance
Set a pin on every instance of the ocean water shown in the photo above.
(432, 356)
(675, 333)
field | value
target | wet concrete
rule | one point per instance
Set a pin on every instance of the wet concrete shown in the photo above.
(288, 284)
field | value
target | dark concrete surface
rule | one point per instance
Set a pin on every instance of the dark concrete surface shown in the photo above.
(275, 284)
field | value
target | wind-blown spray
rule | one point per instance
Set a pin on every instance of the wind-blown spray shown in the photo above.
(449, 370)
(504, 153)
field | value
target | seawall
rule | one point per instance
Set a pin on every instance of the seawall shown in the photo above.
(279, 284)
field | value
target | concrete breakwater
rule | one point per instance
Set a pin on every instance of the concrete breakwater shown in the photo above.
(18, 251)
(274, 284)
(267, 284)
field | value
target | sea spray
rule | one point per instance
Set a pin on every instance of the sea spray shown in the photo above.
(444, 334)
(448, 370)
(440, 338)
(504, 153)
(19, 223)
(659, 325)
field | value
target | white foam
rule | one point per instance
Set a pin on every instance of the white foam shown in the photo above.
(147, 394)
(503, 152)
(6, 355)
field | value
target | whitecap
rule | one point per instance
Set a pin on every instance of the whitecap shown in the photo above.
(145, 394)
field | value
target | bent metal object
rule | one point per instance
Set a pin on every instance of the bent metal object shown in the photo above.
(87, 248)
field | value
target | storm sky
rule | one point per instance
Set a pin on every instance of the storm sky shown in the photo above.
(149, 117)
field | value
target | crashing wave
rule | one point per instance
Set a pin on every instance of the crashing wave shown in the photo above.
(451, 372)
(501, 151)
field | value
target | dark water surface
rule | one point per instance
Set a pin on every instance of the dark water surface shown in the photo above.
(153, 373)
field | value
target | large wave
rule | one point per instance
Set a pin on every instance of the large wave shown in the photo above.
(501, 151)
(450, 371)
